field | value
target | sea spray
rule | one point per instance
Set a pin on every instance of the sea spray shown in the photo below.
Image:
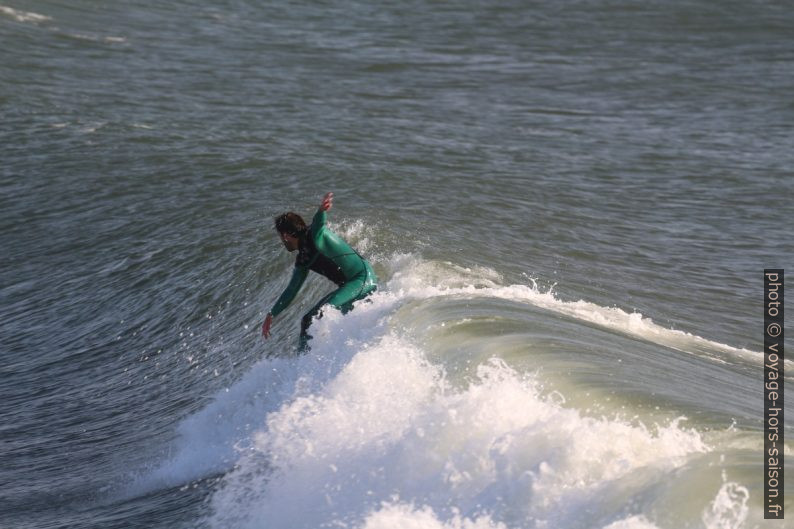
(366, 429)
(389, 429)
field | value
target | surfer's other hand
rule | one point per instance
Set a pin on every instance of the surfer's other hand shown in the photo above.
(328, 201)
(266, 326)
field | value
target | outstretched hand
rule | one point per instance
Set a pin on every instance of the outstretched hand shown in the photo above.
(266, 326)
(328, 201)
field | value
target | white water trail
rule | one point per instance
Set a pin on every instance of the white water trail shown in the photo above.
(365, 432)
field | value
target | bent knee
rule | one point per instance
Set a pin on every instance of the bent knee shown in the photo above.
(306, 321)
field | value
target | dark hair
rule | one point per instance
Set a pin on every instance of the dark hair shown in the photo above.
(290, 223)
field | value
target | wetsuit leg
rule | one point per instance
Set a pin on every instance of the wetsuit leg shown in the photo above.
(342, 298)
(354, 290)
(306, 320)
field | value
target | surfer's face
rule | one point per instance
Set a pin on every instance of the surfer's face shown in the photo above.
(290, 242)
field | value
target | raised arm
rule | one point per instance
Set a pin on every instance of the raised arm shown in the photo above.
(319, 218)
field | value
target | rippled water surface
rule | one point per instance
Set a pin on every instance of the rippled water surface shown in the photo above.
(569, 206)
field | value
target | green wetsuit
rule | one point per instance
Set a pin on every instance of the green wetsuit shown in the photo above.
(323, 251)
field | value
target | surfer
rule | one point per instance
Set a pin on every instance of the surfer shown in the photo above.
(322, 251)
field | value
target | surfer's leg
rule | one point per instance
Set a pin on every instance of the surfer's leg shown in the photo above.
(342, 298)
(357, 288)
(306, 321)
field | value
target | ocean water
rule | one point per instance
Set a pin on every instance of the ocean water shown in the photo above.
(569, 206)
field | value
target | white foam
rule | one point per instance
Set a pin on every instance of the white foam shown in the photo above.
(24, 16)
(356, 231)
(631, 323)
(386, 432)
(109, 39)
(93, 127)
(366, 432)
(210, 440)
(406, 516)
(36, 18)
(421, 279)
(729, 509)
(632, 522)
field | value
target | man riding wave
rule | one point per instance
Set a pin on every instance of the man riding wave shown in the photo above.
(322, 251)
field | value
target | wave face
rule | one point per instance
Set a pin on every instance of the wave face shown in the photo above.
(376, 427)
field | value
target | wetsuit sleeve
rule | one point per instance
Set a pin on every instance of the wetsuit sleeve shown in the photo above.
(318, 223)
(299, 274)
